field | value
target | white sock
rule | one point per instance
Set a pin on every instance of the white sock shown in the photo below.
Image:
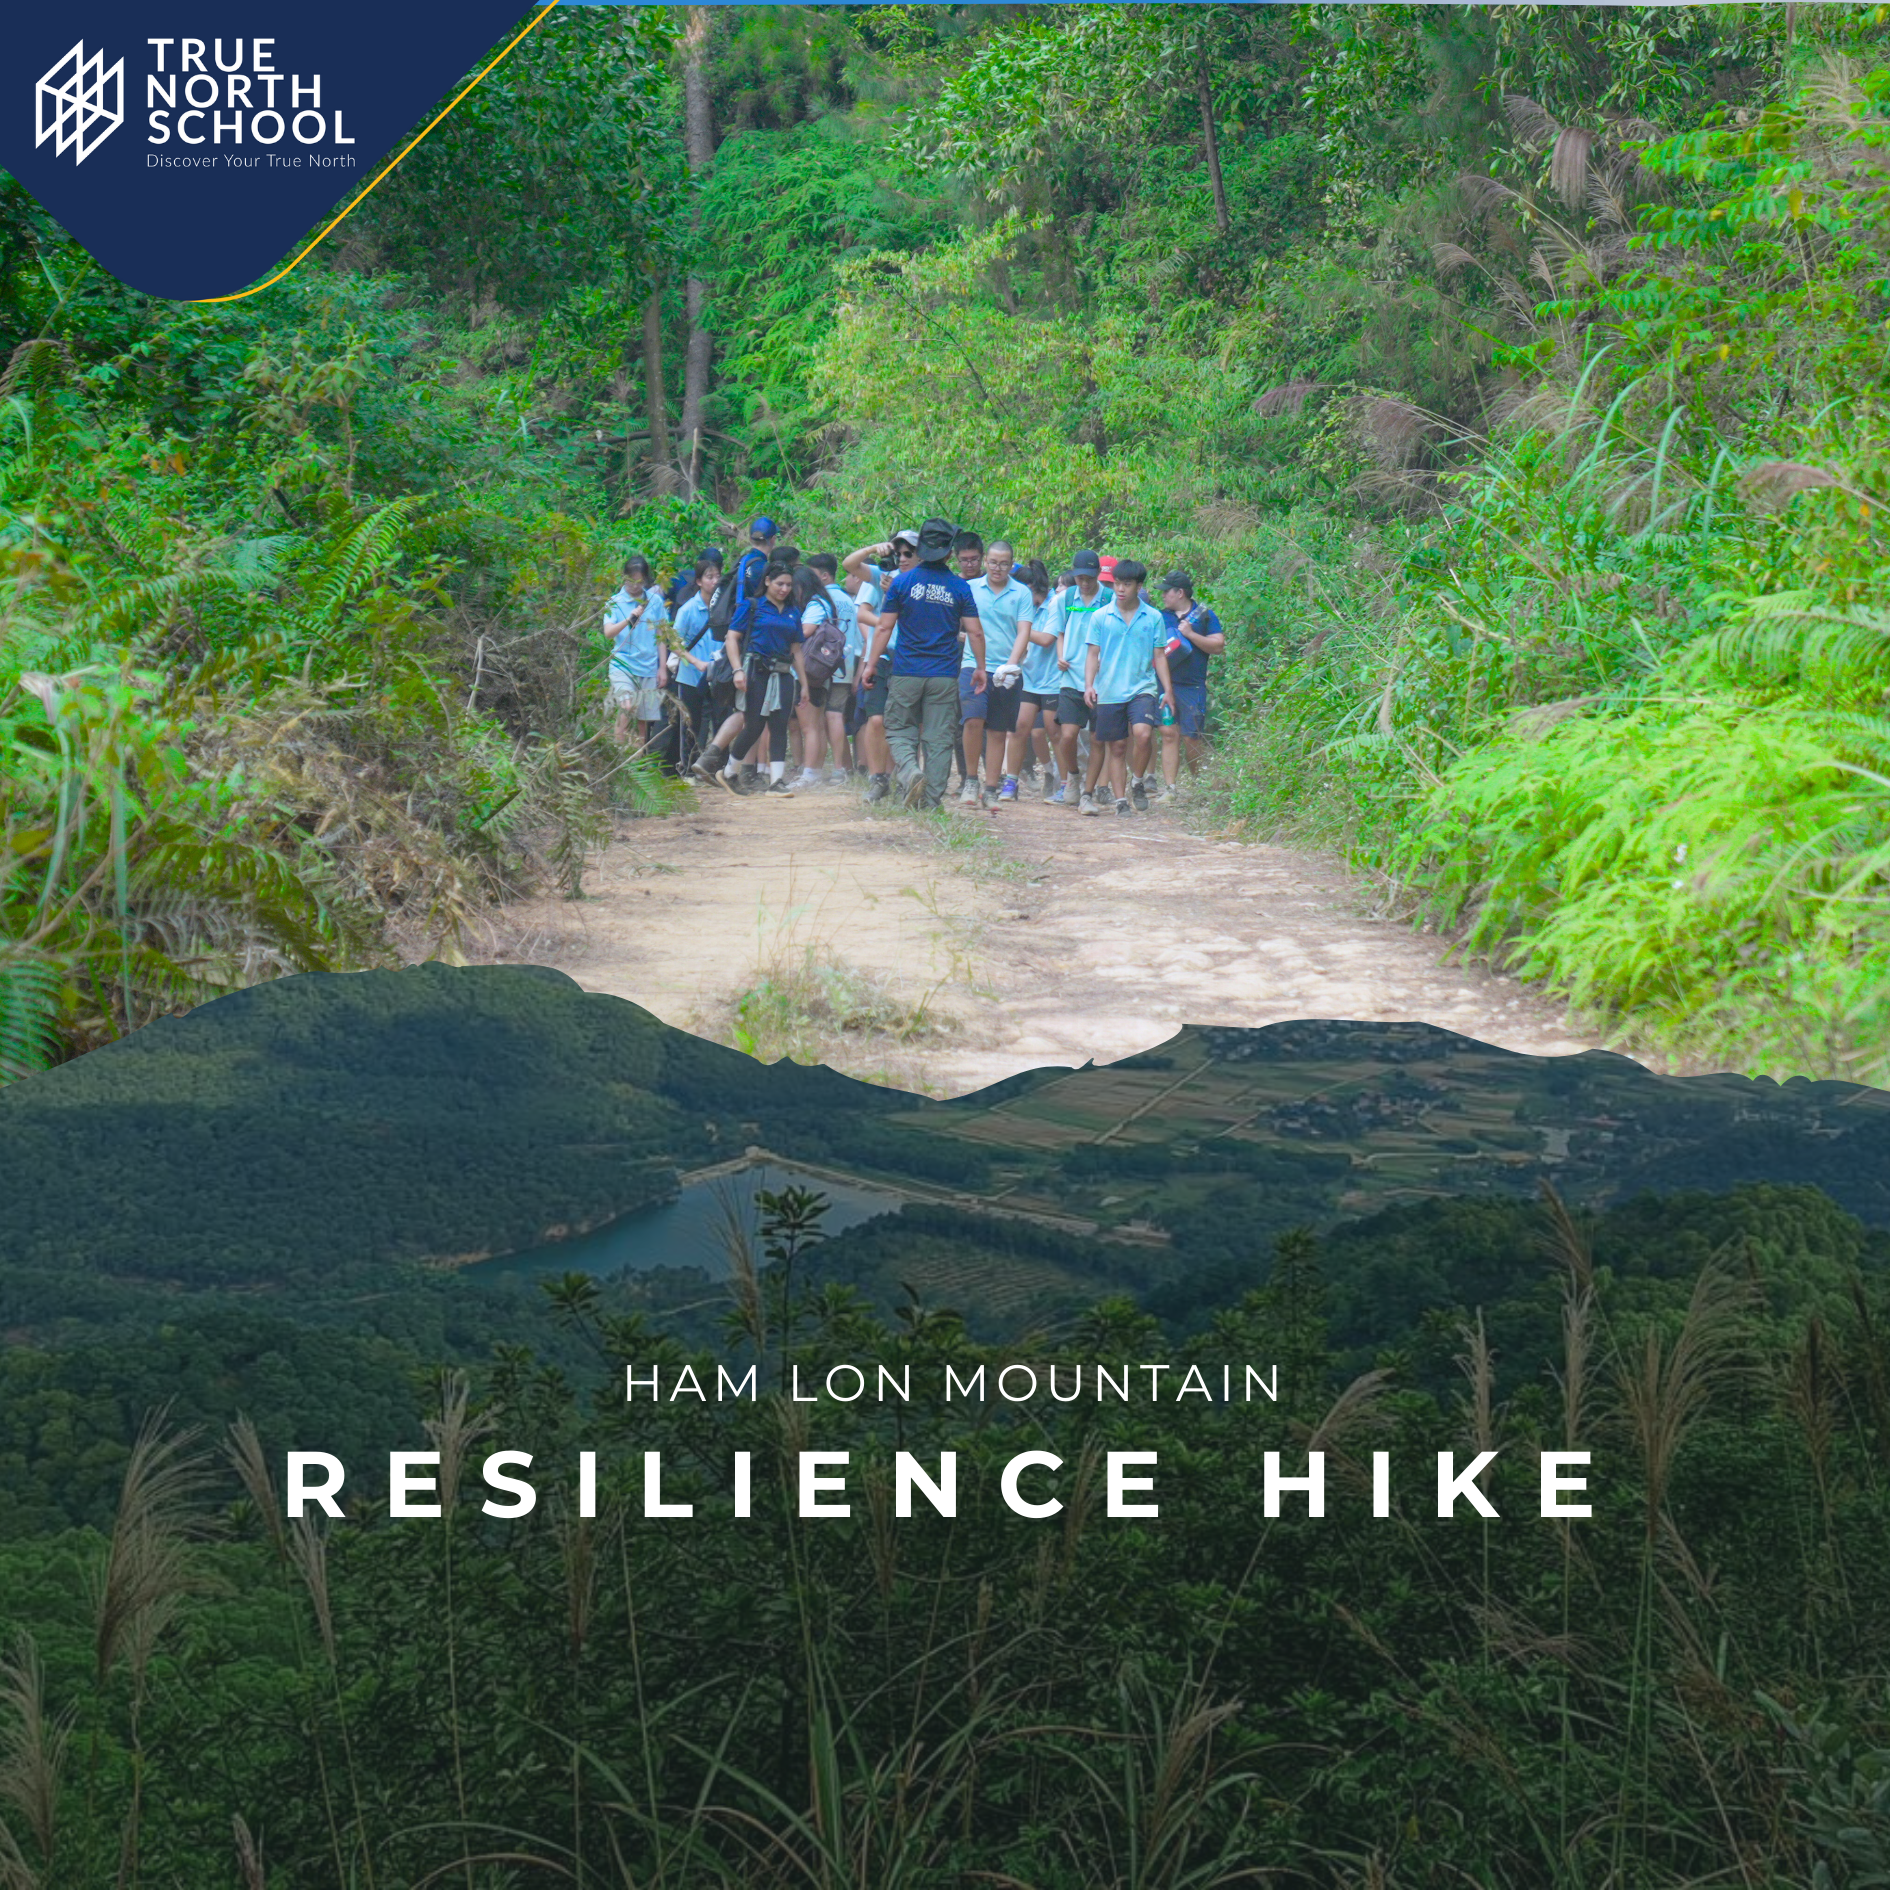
(776, 769)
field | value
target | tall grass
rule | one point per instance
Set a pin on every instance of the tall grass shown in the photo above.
(772, 1702)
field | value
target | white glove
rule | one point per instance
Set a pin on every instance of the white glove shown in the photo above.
(1006, 675)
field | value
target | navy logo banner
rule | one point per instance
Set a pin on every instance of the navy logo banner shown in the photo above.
(191, 147)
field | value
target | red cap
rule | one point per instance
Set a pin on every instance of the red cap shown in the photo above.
(1108, 568)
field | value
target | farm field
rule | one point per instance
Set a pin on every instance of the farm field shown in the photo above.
(1364, 1117)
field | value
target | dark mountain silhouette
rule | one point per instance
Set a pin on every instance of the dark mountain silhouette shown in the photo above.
(329, 1121)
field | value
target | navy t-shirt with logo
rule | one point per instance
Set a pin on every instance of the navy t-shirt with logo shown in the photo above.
(927, 602)
(1187, 668)
(772, 629)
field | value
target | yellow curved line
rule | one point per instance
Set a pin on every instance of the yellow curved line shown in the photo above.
(387, 170)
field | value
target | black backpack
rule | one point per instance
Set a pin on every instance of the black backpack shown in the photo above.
(733, 594)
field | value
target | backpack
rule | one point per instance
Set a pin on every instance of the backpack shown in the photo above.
(731, 595)
(726, 609)
(824, 649)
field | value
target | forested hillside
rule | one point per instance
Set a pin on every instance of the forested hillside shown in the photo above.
(1513, 381)
(1682, 1687)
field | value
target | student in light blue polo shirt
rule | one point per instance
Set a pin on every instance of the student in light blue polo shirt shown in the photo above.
(1072, 605)
(830, 698)
(697, 649)
(1007, 609)
(1125, 678)
(1037, 700)
(631, 620)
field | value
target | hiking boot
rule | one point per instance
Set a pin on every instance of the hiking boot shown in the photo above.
(1123, 808)
(1088, 805)
(914, 790)
(969, 798)
(878, 786)
(1008, 792)
(779, 787)
(1138, 792)
(710, 763)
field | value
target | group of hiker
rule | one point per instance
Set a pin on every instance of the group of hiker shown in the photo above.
(928, 655)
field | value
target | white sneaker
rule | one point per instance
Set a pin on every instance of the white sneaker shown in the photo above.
(970, 796)
(1088, 805)
(807, 778)
(838, 777)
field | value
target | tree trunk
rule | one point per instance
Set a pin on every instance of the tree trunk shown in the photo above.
(1204, 92)
(662, 467)
(699, 146)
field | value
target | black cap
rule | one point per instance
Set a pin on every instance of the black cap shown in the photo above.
(935, 541)
(1087, 564)
(1178, 581)
(1128, 568)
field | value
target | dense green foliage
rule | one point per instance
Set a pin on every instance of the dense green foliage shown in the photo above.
(1519, 399)
(1526, 417)
(1513, 383)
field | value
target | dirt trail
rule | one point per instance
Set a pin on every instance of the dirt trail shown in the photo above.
(1043, 937)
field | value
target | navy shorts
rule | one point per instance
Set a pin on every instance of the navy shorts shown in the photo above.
(873, 696)
(1000, 714)
(1115, 719)
(1072, 710)
(971, 702)
(1191, 708)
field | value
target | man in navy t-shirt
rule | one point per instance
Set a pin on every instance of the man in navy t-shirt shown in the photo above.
(1194, 634)
(931, 606)
(876, 566)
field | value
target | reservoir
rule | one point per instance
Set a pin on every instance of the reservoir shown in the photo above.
(690, 1231)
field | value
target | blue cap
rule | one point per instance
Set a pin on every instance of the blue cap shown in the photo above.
(763, 527)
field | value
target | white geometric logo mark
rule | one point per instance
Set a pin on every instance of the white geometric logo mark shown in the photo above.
(80, 103)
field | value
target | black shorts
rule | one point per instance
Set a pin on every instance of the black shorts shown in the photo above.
(817, 691)
(722, 702)
(1043, 700)
(1000, 709)
(1115, 719)
(873, 698)
(1072, 710)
